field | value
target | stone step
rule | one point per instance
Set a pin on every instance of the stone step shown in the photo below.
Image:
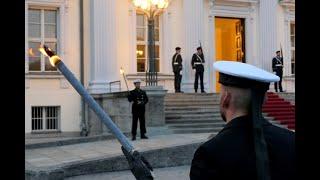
(190, 120)
(192, 100)
(192, 94)
(197, 125)
(193, 116)
(190, 103)
(190, 108)
(197, 111)
(196, 130)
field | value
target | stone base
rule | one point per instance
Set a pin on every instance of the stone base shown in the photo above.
(155, 107)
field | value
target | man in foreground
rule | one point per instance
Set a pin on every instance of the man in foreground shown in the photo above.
(248, 147)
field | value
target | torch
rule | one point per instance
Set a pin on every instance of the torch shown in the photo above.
(139, 166)
(124, 77)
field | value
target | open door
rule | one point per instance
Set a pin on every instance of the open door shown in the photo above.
(230, 45)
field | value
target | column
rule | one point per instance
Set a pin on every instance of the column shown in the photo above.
(193, 12)
(103, 52)
(267, 32)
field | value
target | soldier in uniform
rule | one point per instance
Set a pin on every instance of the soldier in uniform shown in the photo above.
(277, 68)
(197, 64)
(139, 99)
(177, 67)
(248, 147)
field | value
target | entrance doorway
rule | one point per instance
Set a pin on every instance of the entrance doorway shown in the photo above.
(230, 45)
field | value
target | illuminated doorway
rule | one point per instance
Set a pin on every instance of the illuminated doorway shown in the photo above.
(230, 45)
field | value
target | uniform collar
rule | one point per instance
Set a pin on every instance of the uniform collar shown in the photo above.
(242, 121)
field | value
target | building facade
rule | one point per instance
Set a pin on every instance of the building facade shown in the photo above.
(95, 38)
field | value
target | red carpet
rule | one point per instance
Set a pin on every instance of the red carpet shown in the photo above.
(280, 109)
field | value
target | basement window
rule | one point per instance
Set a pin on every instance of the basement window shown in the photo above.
(45, 118)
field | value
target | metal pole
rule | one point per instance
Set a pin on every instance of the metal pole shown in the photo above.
(151, 49)
(94, 106)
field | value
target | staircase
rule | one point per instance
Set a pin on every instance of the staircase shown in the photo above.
(196, 113)
(193, 113)
(280, 109)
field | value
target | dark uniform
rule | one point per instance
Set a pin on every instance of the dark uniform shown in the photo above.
(197, 64)
(139, 98)
(177, 67)
(277, 67)
(231, 154)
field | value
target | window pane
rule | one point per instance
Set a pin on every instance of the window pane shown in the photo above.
(140, 20)
(34, 57)
(156, 21)
(50, 16)
(156, 34)
(292, 29)
(141, 51)
(157, 65)
(34, 16)
(157, 54)
(141, 65)
(34, 30)
(293, 59)
(140, 34)
(292, 41)
(50, 31)
(48, 66)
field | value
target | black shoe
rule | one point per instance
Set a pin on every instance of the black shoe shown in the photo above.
(195, 91)
(144, 137)
(133, 138)
(203, 92)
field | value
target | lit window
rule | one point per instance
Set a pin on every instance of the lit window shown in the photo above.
(142, 43)
(292, 43)
(42, 29)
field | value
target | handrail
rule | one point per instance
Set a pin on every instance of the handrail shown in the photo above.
(114, 82)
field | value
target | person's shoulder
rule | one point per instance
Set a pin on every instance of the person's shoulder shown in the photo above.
(217, 141)
(280, 133)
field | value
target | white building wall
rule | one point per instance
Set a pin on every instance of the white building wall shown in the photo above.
(110, 41)
(54, 90)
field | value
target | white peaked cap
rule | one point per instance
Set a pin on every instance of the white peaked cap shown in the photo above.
(245, 71)
(137, 81)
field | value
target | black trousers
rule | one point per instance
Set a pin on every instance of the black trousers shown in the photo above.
(199, 74)
(135, 117)
(278, 85)
(177, 81)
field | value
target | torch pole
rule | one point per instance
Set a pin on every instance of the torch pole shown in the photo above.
(95, 106)
(125, 80)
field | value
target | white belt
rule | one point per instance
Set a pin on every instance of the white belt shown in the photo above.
(278, 64)
(176, 63)
(197, 63)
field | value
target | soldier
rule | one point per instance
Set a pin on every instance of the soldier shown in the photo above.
(197, 64)
(177, 67)
(139, 98)
(248, 147)
(277, 66)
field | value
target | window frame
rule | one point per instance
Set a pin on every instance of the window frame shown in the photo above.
(61, 8)
(292, 48)
(44, 118)
(145, 42)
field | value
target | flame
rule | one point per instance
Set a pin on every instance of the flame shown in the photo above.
(54, 59)
(30, 52)
(121, 71)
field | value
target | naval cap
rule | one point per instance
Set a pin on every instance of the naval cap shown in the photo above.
(137, 81)
(243, 75)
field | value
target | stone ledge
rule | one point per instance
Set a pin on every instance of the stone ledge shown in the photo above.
(164, 157)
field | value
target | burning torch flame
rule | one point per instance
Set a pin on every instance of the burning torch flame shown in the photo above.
(54, 59)
(30, 52)
(121, 71)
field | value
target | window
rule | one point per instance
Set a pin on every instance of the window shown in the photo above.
(42, 29)
(292, 43)
(45, 118)
(142, 43)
